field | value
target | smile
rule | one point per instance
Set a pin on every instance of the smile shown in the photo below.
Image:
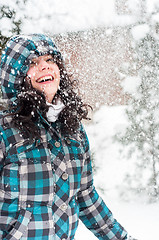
(45, 79)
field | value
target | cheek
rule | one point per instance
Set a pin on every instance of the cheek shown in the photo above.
(31, 73)
(56, 70)
(57, 84)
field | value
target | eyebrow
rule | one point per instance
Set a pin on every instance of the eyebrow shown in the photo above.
(35, 60)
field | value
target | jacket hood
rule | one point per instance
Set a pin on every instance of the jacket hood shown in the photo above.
(16, 59)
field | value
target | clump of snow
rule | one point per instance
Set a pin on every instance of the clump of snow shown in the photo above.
(133, 5)
(130, 84)
(6, 26)
(140, 31)
(152, 5)
(155, 18)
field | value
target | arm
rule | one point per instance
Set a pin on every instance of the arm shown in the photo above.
(93, 211)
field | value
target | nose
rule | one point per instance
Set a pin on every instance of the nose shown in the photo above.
(43, 65)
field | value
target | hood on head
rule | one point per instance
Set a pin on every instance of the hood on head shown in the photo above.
(16, 59)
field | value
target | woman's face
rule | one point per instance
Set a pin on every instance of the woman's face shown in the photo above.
(45, 76)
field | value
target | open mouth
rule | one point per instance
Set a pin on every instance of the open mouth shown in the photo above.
(45, 79)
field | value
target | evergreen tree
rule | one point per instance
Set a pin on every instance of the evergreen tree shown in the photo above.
(10, 20)
(10, 24)
(142, 133)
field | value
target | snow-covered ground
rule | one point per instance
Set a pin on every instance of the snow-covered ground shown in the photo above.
(139, 218)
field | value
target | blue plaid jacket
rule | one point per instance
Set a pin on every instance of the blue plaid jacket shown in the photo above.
(45, 185)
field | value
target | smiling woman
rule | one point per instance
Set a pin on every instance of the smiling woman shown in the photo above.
(29, 97)
(46, 179)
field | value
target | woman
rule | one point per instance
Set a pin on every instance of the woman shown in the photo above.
(46, 180)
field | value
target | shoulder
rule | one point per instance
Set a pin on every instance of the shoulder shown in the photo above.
(5, 118)
(7, 132)
(83, 136)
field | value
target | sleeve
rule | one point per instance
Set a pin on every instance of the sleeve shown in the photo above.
(93, 211)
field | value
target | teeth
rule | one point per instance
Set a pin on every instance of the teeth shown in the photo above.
(47, 78)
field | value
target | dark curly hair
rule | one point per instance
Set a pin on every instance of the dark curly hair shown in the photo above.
(31, 102)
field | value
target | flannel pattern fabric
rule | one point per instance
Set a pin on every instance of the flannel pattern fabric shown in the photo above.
(46, 186)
